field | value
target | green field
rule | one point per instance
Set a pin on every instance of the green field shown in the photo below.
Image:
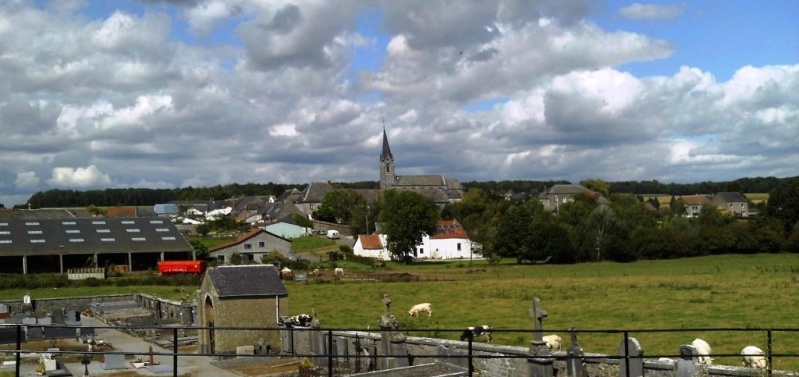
(730, 291)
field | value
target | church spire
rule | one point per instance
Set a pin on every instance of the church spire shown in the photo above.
(386, 149)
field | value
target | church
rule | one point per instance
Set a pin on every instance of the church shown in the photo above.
(440, 189)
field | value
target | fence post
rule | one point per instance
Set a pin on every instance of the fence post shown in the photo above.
(175, 352)
(330, 353)
(768, 352)
(19, 347)
(469, 353)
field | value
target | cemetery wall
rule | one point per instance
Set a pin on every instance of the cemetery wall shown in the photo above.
(41, 307)
(501, 361)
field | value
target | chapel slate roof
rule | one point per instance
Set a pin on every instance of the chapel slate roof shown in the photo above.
(246, 281)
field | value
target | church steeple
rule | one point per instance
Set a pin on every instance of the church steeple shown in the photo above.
(387, 176)
(386, 149)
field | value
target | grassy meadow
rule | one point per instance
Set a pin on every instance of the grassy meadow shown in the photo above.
(729, 291)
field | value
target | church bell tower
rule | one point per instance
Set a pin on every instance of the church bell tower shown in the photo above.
(387, 175)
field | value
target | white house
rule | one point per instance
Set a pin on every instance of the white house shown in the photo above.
(450, 241)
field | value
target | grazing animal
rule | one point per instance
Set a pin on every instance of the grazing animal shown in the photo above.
(300, 320)
(423, 307)
(754, 357)
(338, 271)
(703, 350)
(474, 332)
(554, 342)
(315, 272)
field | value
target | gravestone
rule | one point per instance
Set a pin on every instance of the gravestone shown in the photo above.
(687, 363)
(575, 361)
(114, 361)
(318, 345)
(245, 351)
(540, 363)
(392, 340)
(633, 349)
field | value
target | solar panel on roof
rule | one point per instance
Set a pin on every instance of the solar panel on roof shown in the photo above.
(72, 231)
(107, 239)
(97, 222)
(37, 241)
(132, 230)
(76, 240)
(138, 239)
(103, 230)
(5, 241)
(5, 232)
(32, 223)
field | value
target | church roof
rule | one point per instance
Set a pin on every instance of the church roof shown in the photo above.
(248, 280)
(386, 149)
(420, 180)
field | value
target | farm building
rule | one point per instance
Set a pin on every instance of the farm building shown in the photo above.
(55, 245)
(240, 296)
(252, 246)
(287, 230)
(450, 241)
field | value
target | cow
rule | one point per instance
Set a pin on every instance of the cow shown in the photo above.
(338, 271)
(554, 342)
(299, 320)
(473, 332)
(703, 350)
(423, 307)
(754, 357)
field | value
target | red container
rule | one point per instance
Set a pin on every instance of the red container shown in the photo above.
(170, 267)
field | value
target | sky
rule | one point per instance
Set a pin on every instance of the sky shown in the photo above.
(177, 93)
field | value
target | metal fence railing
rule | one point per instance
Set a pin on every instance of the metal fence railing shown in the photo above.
(330, 360)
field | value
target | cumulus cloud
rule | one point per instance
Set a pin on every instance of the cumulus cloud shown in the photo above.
(177, 93)
(89, 176)
(638, 11)
(26, 180)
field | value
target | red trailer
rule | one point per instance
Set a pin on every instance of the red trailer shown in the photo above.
(170, 267)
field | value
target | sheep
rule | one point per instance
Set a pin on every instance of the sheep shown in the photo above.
(754, 357)
(554, 342)
(315, 272)
(703, 350)
(338, 271)
(423, 307)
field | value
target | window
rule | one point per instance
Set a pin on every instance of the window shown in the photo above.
(5, 241)
(68, 223)
(459, 246)
(421, 251)
(98, 222)
(3, 224)
(128, 222)
(132, 230)
(220, 258)
(72, 231)
(261, 244)
(4, 232)
(103, 230)
(76, 240)
(156, 221)
(34, 232)
(138, 239)
(162, 229)
(37, 241)
(107, 239)
(32, 223)
(247, 246)
(168, 238)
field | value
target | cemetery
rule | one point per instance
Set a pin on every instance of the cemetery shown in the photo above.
(384, 350)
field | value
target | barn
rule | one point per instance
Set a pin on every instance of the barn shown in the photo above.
(34, 245)
(240, 296)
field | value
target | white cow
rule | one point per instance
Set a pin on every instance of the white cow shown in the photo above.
(754, 357)
(338, 271)
(554, 342)
(423, 307)
(703, 350)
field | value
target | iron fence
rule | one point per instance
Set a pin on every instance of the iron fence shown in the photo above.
(25, 333)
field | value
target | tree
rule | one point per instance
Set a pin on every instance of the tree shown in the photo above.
(337, 206)
(200, 250)
(597, 185)
(601, 221)
(406, 217)
(301, 220)
(783, 204)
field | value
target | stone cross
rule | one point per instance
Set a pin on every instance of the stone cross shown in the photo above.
(538, 315)
(387, 303)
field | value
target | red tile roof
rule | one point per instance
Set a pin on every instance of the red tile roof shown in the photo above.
(370, 242)
(238, 239)
(449, 229)
(121, 212)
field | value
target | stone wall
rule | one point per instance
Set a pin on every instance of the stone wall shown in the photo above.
(490, 360)
(42, 307)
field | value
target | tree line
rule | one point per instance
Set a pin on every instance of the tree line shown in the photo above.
(148, 197)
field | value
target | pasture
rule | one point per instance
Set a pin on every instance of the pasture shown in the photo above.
(730, 291)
